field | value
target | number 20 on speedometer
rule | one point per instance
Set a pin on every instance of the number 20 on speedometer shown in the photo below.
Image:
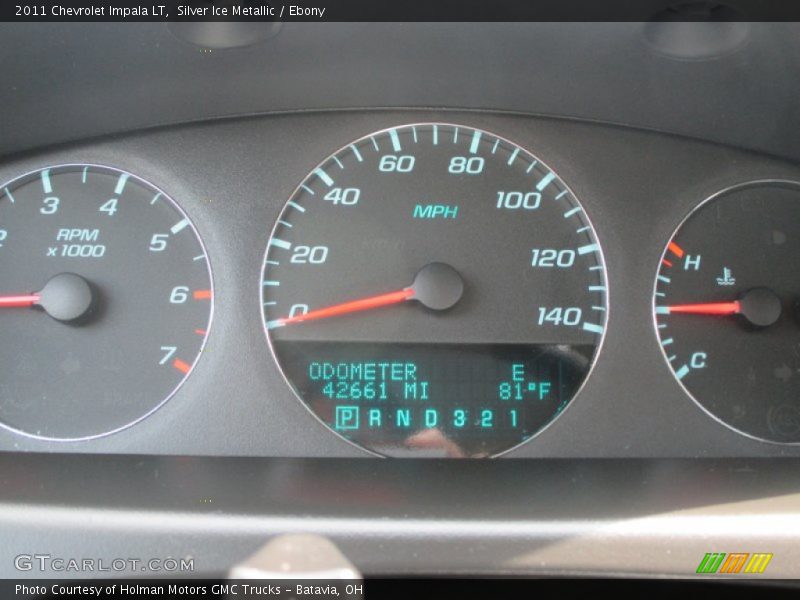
(434, 289)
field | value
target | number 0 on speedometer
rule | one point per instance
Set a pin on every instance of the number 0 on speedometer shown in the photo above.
(434, 289)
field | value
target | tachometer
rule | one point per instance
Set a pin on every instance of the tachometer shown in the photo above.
(434, 288)
(105, 301)
(727, 308)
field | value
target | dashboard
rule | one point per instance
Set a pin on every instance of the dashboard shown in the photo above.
(228, 273)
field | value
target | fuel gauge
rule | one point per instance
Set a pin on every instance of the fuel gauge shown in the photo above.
(726, 308)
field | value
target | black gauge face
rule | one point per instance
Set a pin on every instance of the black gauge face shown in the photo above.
(727, 308)
(434, 289)
(105, 301)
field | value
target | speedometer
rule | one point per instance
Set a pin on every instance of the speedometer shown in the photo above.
(436, 289)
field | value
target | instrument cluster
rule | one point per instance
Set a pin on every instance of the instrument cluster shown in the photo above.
(413, 284)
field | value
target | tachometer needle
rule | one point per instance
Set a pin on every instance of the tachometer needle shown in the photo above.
(65, 297)
(19, 301)
(708, 308)
(437, 286)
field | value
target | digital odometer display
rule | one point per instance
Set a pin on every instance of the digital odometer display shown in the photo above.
(434, 289)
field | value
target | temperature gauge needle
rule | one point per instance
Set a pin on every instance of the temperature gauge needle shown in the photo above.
(708, 308)
(437, 286)
(18, 301)
(760, 306)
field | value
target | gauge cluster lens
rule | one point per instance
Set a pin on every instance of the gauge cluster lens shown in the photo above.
(105, 301)
(727, 308)
(434, 288)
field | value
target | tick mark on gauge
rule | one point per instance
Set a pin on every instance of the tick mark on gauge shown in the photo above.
(545, 181)
(202, 295)
(179, 226)
(476, 140)
(675, 249)
(324, 176)
(682, 372)
(359, 158)
(588, 249)
(307, 189)
(296, 206)
(280, 243)
(592, 327)
(181, 366)
(572, 211)
(395, 140)
(123, 179)
(155, 198)
(46, 185)
(513, 157)
(10, 197)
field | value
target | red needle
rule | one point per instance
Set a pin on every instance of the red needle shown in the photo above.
(709, 308)
(18, 301)
(352, 306)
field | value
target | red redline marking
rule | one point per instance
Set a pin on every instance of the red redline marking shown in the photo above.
(181, 366)
(676, 250)
(200, 331)
(666, 263)
(202, 295)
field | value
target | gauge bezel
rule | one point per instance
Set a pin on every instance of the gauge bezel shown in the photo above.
(182, 212)
(285, 205)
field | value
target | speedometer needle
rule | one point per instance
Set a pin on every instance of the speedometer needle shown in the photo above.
(352, 306)
(708, 308)
(437, 286)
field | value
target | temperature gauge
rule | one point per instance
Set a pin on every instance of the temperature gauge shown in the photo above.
(727, 300)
